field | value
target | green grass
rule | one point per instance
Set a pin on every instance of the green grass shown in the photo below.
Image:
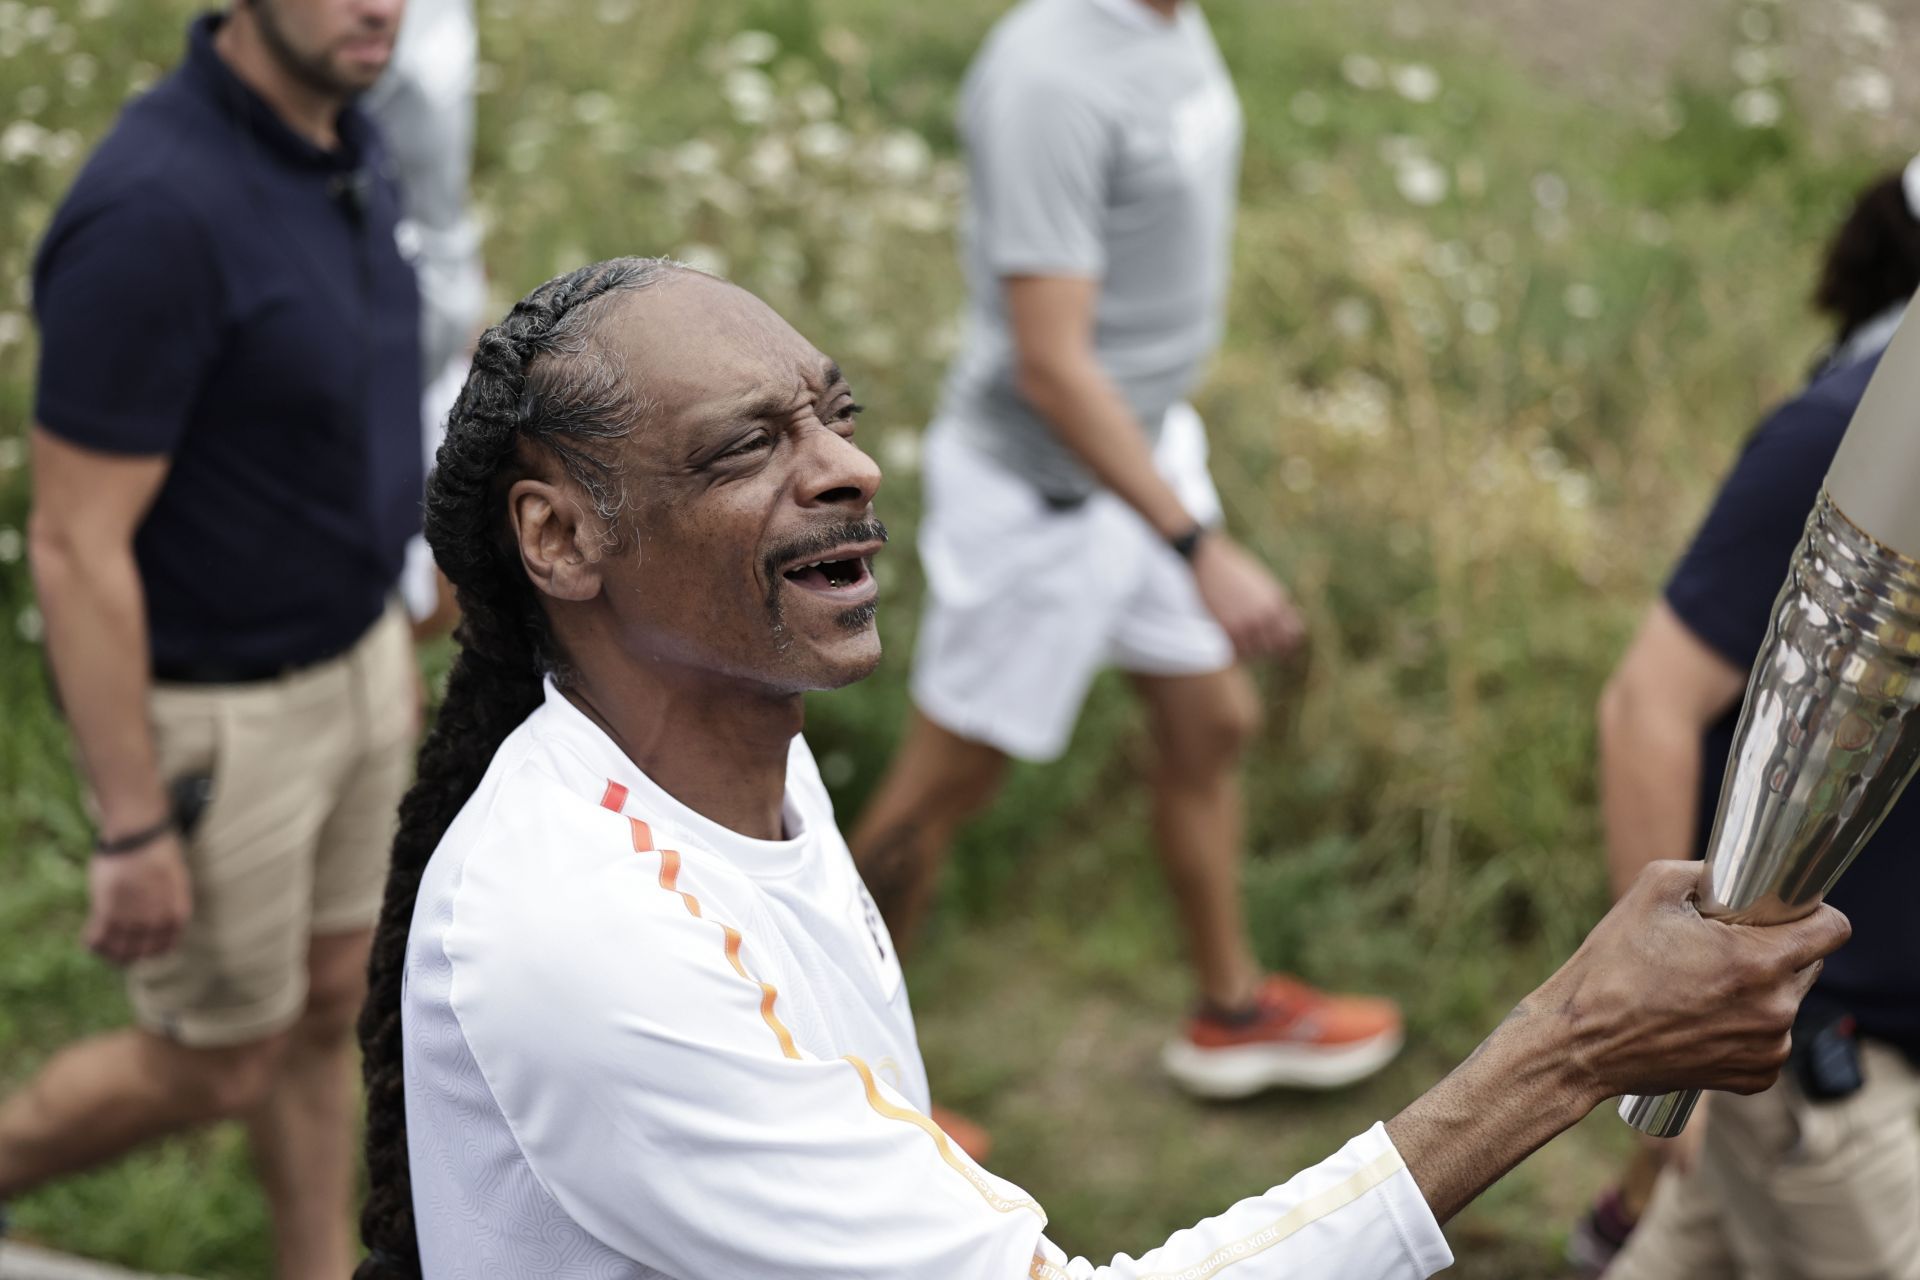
(1471, 433)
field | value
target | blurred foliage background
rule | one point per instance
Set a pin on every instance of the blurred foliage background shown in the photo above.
(1512, 282)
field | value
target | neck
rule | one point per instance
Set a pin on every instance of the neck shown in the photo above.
(1165, 8)
(312, 113)
(714, 744)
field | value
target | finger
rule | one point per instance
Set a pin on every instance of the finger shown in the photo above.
(115, 945)
(1812, 937)
(1672, 882)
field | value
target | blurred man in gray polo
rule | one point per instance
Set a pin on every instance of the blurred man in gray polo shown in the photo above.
(1067, 487)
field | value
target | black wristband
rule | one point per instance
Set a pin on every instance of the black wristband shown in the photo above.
(1185, 544)
(134, 841)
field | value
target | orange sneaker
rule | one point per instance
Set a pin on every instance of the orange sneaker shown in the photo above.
(968, 1136)
(1290, 1035)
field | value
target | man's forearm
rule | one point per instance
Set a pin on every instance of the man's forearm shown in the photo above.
(1649, 786)
(1519, 1089)
(1090, 416)
(97, 643)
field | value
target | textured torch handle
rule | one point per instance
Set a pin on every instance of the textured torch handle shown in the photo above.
(1660, 1115)
(1828, 738)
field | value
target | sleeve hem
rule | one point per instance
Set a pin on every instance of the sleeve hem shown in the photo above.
(78, 430)
(1420, 1235)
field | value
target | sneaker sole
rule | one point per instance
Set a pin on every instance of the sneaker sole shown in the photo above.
(1241, 1071)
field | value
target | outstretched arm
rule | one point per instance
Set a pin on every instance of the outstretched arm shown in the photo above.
(1656, 998)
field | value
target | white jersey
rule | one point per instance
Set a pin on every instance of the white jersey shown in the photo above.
(639, 1044)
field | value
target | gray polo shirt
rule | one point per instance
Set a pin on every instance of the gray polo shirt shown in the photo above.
(1103, 141)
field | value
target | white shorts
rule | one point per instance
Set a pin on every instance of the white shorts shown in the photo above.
(1025, 603)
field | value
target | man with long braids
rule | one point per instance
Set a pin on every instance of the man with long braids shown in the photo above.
(632, 1013)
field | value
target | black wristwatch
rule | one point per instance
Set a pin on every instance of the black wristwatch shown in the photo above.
(134, 841)
(1185, 544)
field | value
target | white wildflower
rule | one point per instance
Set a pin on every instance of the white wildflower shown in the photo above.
(1866, 90)
(770, 162)
(1582, 301)
(1575, 490)
(1757, 108)
(1447, 259)
(1420, 181)
(1753, 64)
(1361, 72)
(1308, 107)
(1650, 226)
(81, 70)
(824, 140)
(903, 156)
(900, 451)
(1480, 316)
(749, 94)
(1416, 82)
(752, 48)
(1867, 24)
(1351, 318)
(1549, 190)
(22, 140)
(94, 10)
(1756, 24)
(614, 12)
(696, 157)
(30, 625)
(32, 100)
(593, 107)
(12, 453)
(13, 328)
(10, 544)
(815, 101)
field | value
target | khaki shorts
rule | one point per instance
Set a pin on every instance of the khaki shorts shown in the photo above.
(308, 771)
(1787, 1189)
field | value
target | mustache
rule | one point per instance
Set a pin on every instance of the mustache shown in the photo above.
(825, 538)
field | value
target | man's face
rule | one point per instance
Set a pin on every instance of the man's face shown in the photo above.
(749, 528)
(337, 47)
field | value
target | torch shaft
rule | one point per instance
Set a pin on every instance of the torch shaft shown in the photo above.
(1828, 738)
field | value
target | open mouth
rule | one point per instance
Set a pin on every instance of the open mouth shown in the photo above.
(847, 574)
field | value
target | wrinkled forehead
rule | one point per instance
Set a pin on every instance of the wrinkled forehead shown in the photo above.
(693, 343)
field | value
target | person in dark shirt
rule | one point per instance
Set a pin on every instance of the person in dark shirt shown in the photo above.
(227, 472)
(1820, 1175)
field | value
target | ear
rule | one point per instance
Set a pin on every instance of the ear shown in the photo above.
(559, 539)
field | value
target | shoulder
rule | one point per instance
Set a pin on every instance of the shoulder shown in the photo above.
(162, 173)
(1805, 431)
(558, 914)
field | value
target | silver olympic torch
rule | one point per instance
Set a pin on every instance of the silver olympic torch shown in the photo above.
(1830, 732)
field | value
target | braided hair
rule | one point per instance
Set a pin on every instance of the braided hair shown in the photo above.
(539, 378)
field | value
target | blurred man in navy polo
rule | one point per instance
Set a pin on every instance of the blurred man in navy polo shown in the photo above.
(227, 471)
(1820, 1175)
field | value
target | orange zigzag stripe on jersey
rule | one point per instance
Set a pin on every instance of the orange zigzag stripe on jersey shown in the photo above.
(614, 797)
(878, 1102)
(670, 881)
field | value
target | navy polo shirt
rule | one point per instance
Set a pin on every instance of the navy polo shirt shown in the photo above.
(1724, 589)
(217, 290)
